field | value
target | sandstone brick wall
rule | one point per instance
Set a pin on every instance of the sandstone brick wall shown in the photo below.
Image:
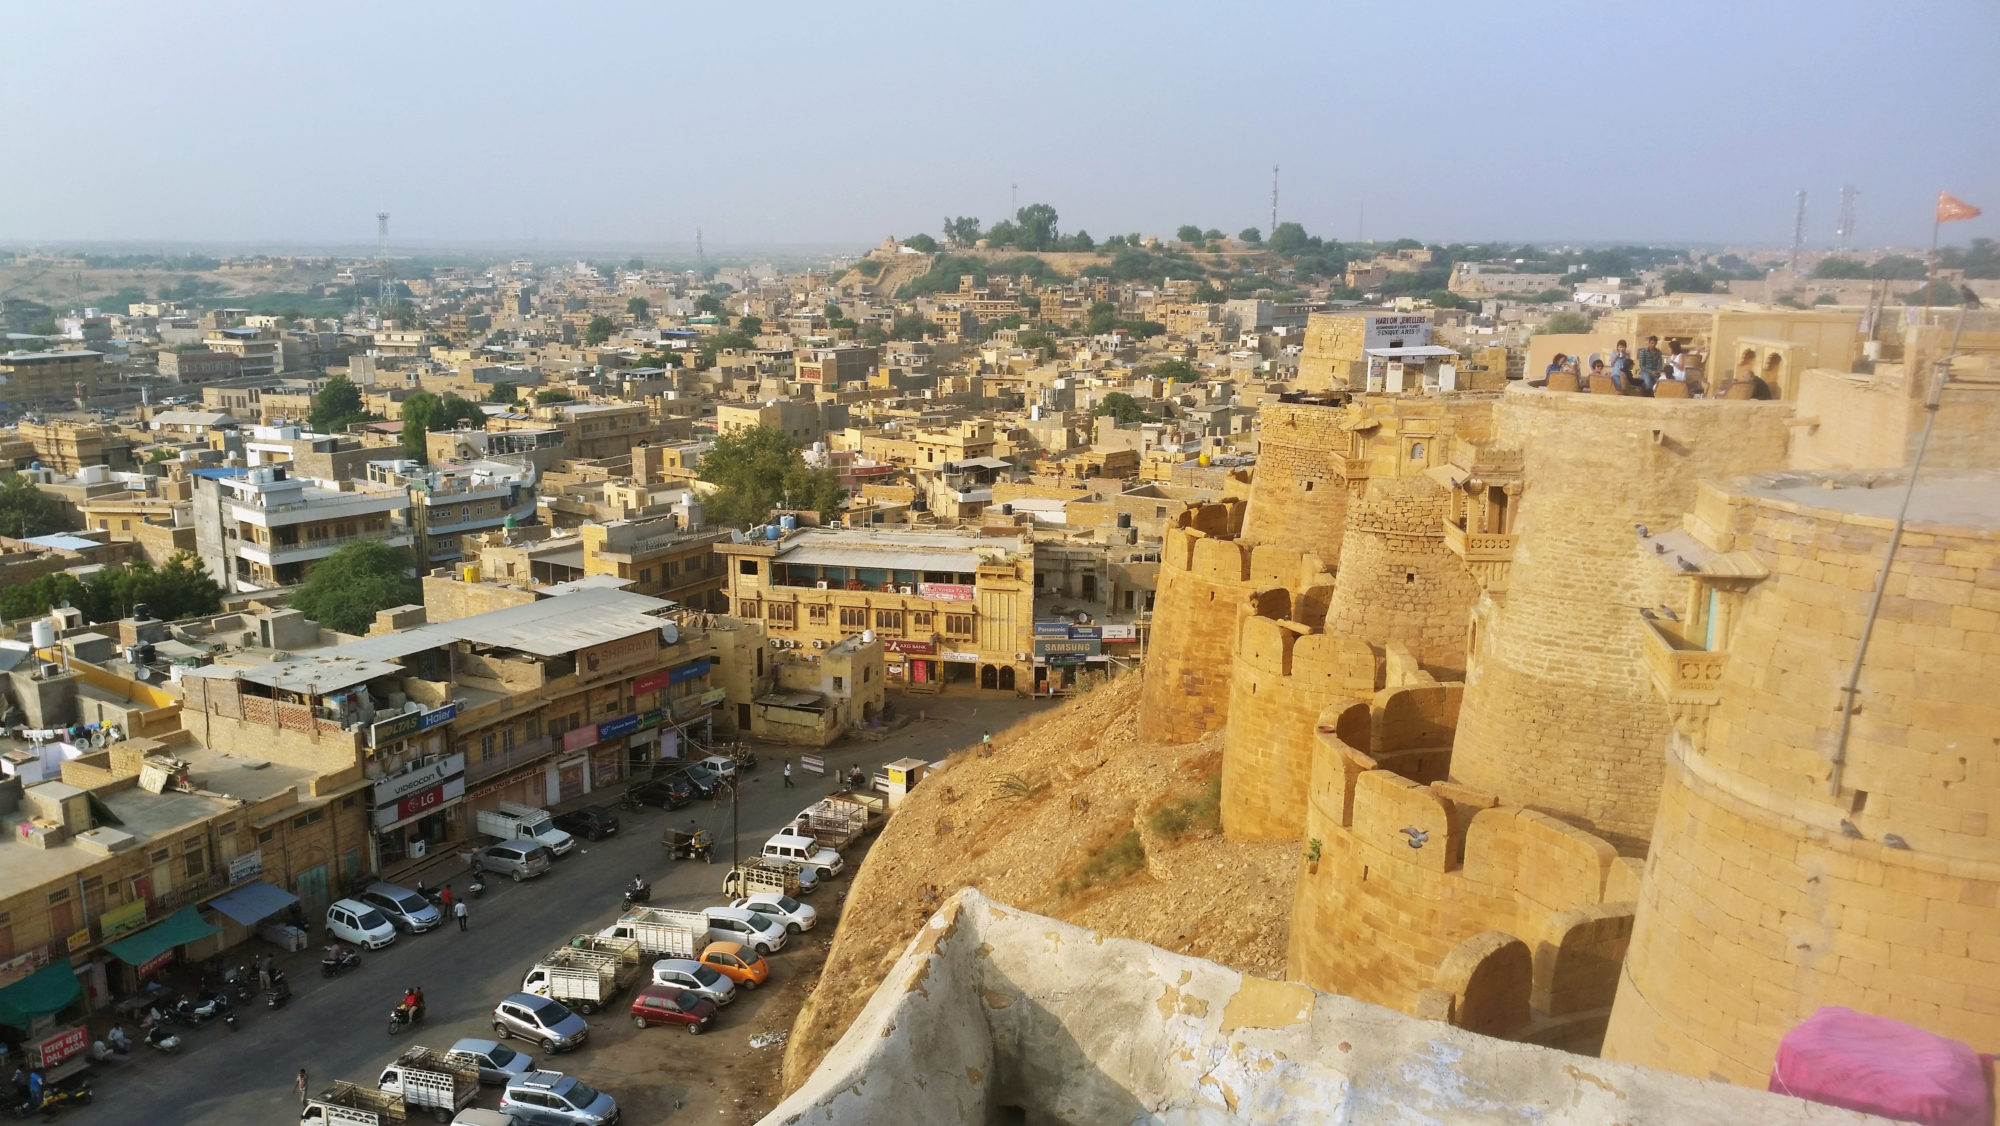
(1285, 676)
(1397, 584)
(1559, 712)
(1760, 905)
(1204, 584)
(1297, 497)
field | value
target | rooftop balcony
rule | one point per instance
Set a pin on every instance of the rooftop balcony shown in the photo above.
(1687, 677)
(1488, 555)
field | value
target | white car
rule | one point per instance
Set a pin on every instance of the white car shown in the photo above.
(758, 932)
(780, 908)
(722, 766)
(688, 974)
(350, 920)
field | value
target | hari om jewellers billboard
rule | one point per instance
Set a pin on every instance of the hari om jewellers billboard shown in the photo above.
(1404, 330)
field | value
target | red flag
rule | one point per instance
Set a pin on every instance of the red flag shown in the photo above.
(1951, 208)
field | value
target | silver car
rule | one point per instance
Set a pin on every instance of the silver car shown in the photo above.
(409, 912)
(519, 860)
(550, 1098)
(695, 978)
(539, 1019)
(497, 1062)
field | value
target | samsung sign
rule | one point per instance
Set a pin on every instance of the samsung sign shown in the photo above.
(410, 723)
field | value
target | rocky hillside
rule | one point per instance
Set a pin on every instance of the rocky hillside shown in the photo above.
(1068, 814)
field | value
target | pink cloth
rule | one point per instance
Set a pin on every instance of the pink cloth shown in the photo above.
(1847, 1059)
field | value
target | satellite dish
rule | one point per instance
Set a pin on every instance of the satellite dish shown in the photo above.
(670, 634)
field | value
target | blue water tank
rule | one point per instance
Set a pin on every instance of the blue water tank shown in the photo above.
(788, 522)
(772, 531)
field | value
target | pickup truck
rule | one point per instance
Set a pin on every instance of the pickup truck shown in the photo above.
(625, 951)
(838, 821)
(662, 933)
(513, 821)
(344, 1104)
(579, 979)
(768, 875)
(439, 1081)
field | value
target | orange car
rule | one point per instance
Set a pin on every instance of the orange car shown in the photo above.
(744, 967)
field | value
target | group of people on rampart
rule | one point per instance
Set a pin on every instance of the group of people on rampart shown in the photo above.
(1645, 372)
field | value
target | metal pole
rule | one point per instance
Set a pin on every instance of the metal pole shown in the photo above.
(1848, 691)
(735, 834)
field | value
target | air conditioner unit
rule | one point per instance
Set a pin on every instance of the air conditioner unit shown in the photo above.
(821, 585)
(907, 589)
(819, 642)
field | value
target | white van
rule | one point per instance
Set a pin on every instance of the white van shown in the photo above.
(807, 853)
(351, 920)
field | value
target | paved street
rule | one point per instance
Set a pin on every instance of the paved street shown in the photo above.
(336, 1029)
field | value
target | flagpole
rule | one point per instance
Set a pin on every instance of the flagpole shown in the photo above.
(1930, 265)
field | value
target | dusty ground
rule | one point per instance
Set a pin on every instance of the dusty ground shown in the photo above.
(1023, 820)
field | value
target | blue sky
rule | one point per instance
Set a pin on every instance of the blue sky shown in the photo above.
(636, 123)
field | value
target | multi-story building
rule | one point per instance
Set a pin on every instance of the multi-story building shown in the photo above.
(951, 608)
(659, 556)
(833, 368)
(199, 366)
(262, 528)
(448, 502)
(40, 379)
(257, 351)
(804, 421)
(67, 447)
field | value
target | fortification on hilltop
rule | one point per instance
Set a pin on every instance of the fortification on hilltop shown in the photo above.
(1785, 873)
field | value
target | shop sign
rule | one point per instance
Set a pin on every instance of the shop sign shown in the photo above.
(902, 645)
(1064, 661)
(79, 940)
(410, 723)
(616, 656)
(652, 718)
(21, 965)
(688, 671)
(1121, 633)
(945, 592)
(714, 696)
(652, 682)
(1402, 330)
(416, 805)
(248, 866)
(687, 705)
(580, 738)
(394, 787)
(959, 655)
(63, 1045)
(160, 962)
(813, 763)
(121, 921)
(1085, 633)
(1045, 647)
(1051, 629)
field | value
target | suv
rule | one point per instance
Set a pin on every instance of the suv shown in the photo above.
(539, 1019)
(406, 909)
(519, 859)
(350, 920)
(806, 852)
(592, 822)
(550, 1098)
(671, 792)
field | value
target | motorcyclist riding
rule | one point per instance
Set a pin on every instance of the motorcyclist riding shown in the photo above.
(639, 884)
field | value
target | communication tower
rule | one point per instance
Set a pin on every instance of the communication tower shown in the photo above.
(1843, 229)
(381, 260)
(1274, 200)
(1799, 231)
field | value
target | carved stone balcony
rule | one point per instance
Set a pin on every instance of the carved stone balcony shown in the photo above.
(1350, 467)
(1488, 555)
(1687, 677)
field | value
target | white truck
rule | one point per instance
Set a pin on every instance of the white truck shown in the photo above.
(344, 1104)
(513, 821)
(662, 932)
(840, 820)
(624, 951)
(438, 1081)
(768, 875)
(585, 980)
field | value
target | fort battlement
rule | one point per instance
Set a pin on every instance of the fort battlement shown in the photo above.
(1287, 672)
(1435, 899)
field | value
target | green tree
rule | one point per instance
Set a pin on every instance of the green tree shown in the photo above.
(635, 263)
(181, 588)
(598, 331)
(1038, 341)
(553, 395)
(36, 596)
(1188, 233)
(1685, 281)
(503, 392)
(163, 454)
(418, 410)
(638, 307)
(749, 325)
(1251, 235)
(402, 313)
(1178, 370)
(1206, 293)
(837, 319)
(26, 510)
(925, 243)
(874, 336)
(1103, 318)
(869, 267)
(1564, 322)
(1211, 234)
(708, 303)
(1289, 238)
(1941, 293)
(1037, 223)
(454, 410)
(1122, 407)
(336, 406)
(962, 231)
(1078, 243)
(910, 326)
(345, 590)
(758, 470)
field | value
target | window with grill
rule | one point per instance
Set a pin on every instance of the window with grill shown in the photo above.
(958, 625)
(196, 864)
(889, 620)
(853, 618)
(747, 608)
(816, 615)
(920, 619)
(781, 613)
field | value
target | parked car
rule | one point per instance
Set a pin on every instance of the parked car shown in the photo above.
(783, 908)
(671, 792)
(592, 822)
(738, 963)
(550, 1098)
(353, 921)
(698, 979)
(722, 766)
(669, 1005)
(703, 778)
(539, 1019)
(407, 910)
(480, 1116)
(733, 924)
(520, 860)
(807, 853)
(496, 1061)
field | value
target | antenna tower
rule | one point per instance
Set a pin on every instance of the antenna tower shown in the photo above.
(1013, 199)
(1799, 231)
(1843, 229)
(1274, 199)
(381, 260)
(700, 259)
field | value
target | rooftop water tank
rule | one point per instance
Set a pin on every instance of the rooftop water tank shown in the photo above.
(42, 633)
(788, 522)
(772, 531)
(867, 637)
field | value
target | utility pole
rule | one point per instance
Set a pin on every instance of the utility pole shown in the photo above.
(1013, 199)
(735, 835)
(700, 259)
(1843, 228)
(381, 261)
(1274, 200)
(1799, 231)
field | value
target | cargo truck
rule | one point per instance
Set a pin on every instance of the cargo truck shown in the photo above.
(344, 1104)
(625, 951)
(662, 933)
(838, 821)
(438, 1081)
(768, 875)
(512, 821)
(584, 982)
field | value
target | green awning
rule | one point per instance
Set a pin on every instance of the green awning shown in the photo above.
(183, 926)
(47, 990)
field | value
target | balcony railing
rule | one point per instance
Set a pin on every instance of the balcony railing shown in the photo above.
(477, 768)
(1685, 675)
(1480, 459)
(1488, 555)
(1352, 467)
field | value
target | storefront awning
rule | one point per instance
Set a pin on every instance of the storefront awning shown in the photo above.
(47, 990)
(253, 902)
(181, 927)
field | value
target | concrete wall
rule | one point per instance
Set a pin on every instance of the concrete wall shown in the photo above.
(1761, 904)
(996, 1015)
(1559, 714)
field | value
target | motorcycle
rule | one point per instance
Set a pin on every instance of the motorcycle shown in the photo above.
(280, 991)
(238, 982)
(638, 893)
(75, 1093)
(432, 896)
(162, 1038)
(207, 1008)
(477, 887)
(402, 1018)
(331, 966)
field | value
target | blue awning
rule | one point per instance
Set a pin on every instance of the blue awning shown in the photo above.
(253, 902)
(178, 929)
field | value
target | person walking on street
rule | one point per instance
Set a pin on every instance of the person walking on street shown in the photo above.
(302, 1090)
(458, 911)
(444, 897)
(788, 774)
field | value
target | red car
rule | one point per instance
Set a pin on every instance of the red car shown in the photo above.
(669, 1004)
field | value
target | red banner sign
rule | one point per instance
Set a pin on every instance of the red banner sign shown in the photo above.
(63, 1045)
(651, 682)
(898, 645)
(158, 963)
(580, 737)
(418, 802)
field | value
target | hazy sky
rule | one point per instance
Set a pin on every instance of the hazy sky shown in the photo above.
(635, 123)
